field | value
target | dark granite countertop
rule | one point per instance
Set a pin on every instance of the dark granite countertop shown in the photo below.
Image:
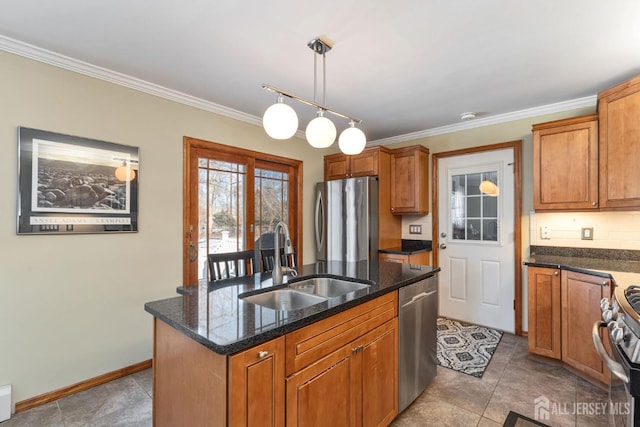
(409, 247)
(599, 262)
(215, 316)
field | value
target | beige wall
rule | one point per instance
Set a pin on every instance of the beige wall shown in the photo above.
(72, 307)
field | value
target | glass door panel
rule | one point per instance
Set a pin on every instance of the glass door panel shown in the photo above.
(474, 213)
(221, 209)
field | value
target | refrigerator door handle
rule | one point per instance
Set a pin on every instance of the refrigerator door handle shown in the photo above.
(319, 226)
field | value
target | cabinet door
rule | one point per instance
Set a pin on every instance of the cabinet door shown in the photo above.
(619, 109)
(409, 180)
(336, 166)
(325, 393)
(365, 163)
(581, 295)
(378, 356)
(545, 336)
(565, 164)
(256, 378)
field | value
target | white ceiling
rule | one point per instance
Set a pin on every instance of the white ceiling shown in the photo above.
(403, 66)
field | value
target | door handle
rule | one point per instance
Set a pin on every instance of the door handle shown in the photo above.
(442, 246)
(319, 218)
(193, 252)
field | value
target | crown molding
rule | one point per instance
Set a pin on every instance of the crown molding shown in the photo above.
(61, 61)
(26, 50)
(587, 101)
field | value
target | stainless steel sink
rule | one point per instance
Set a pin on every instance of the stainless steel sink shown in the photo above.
(327, 287)
(285, 299)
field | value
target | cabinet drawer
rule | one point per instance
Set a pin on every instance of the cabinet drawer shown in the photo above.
(307, 345)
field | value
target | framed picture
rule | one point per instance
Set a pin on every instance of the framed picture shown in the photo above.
(68, 184)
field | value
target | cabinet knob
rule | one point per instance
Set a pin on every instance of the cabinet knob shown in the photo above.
(262, 354)
(555, 273)
(594, 203)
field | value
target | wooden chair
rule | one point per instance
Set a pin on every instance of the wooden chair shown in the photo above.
(268, 259)
(231, 264)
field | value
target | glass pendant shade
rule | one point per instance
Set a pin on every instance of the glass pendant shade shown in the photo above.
(320, 132)
(489, 188)
(125, 173)
(280, 121)
(352, 140)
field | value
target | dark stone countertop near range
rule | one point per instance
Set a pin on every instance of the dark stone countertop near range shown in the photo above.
(585, 260)
(214, 315)
(409, 247)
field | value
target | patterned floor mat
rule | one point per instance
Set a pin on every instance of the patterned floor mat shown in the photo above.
(465, 347)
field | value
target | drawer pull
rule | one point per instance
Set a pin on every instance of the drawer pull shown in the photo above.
(263, 354)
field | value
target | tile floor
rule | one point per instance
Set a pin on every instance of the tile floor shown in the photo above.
(511, 382)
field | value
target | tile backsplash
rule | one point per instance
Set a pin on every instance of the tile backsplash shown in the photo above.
(611, 230)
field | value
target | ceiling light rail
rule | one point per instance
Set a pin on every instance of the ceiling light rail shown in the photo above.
(280, 121)
(310, 103)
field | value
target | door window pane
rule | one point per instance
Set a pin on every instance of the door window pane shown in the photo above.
(474, 215)
(271, 204)
(221, 212)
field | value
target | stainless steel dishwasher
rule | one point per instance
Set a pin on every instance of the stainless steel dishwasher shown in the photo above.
(418, 313)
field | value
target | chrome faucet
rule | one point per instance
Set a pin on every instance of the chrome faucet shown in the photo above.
(279, 270)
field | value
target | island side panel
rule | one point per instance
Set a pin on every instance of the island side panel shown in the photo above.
(189, 381)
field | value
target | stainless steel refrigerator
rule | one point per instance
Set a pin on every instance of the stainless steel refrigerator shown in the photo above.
(346, 219)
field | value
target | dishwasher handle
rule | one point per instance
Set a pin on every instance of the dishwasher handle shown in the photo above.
(418, 297)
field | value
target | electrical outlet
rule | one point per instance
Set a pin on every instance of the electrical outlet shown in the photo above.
(415, 229)
(545, 232)
(586, 233)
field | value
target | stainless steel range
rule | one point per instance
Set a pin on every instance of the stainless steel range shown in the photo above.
(621, 318)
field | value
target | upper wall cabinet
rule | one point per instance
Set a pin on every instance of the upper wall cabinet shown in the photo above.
(367, 163)
(619, 115)
(409, 180)
(565, 164)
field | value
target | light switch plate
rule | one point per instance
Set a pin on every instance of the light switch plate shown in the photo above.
(586, 233)
(415, 229)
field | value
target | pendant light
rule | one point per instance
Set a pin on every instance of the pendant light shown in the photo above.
(280, 121)
(352, 140)
(320, 132)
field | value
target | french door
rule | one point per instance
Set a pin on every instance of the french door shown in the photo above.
(233, 198)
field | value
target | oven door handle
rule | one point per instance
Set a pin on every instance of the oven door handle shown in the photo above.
(615, 367)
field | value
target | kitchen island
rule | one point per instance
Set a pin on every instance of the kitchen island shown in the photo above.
(220, 360)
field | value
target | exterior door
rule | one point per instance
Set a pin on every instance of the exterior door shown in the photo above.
(476, 238)
(233, 199)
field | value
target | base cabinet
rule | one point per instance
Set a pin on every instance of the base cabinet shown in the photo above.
(338, 371)
(256, 387)
(563, 306)
(354, 386)
(581, 295)
(421, 258)
(545, 331)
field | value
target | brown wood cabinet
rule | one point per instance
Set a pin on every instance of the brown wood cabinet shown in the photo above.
(565, 164)
(256, 387)
(421, 258)
(563, 306)
(367, 163)
(591, 162)
(409, 178)
(544, 337)
(581, 295)
(374, 161)
(619, 145)
(355, 385)
(344, 367)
